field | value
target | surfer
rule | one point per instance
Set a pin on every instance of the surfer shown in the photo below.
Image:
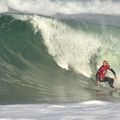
(101, 74)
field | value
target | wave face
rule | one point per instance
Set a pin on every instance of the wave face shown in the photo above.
(54, 59)
(28, 73)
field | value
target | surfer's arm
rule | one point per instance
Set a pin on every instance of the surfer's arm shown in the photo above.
(97, 79)
(97, 76)
(112, 71)
(98, 83)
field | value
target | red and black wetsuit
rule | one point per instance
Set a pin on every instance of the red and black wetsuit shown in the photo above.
(101, 75)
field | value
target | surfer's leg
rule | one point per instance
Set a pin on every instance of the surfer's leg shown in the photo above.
(110, 81)
(103, 80)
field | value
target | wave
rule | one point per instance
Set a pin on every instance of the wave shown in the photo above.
(61, 6)
(44, 59)
(28, 72)
(84, 45)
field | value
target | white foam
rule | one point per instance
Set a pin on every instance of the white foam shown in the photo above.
(96, 111)
(69, 47)
(66, 7)
(57, 106)
(3, 6)
(95, 102)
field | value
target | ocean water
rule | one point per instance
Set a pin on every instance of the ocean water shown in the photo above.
(50, 51)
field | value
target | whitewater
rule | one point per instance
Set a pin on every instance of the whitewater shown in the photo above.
(50, 51)
(81, 111)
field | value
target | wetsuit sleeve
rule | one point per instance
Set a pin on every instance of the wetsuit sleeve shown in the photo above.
(112, 71)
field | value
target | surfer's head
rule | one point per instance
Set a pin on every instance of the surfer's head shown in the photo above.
(105, 62)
